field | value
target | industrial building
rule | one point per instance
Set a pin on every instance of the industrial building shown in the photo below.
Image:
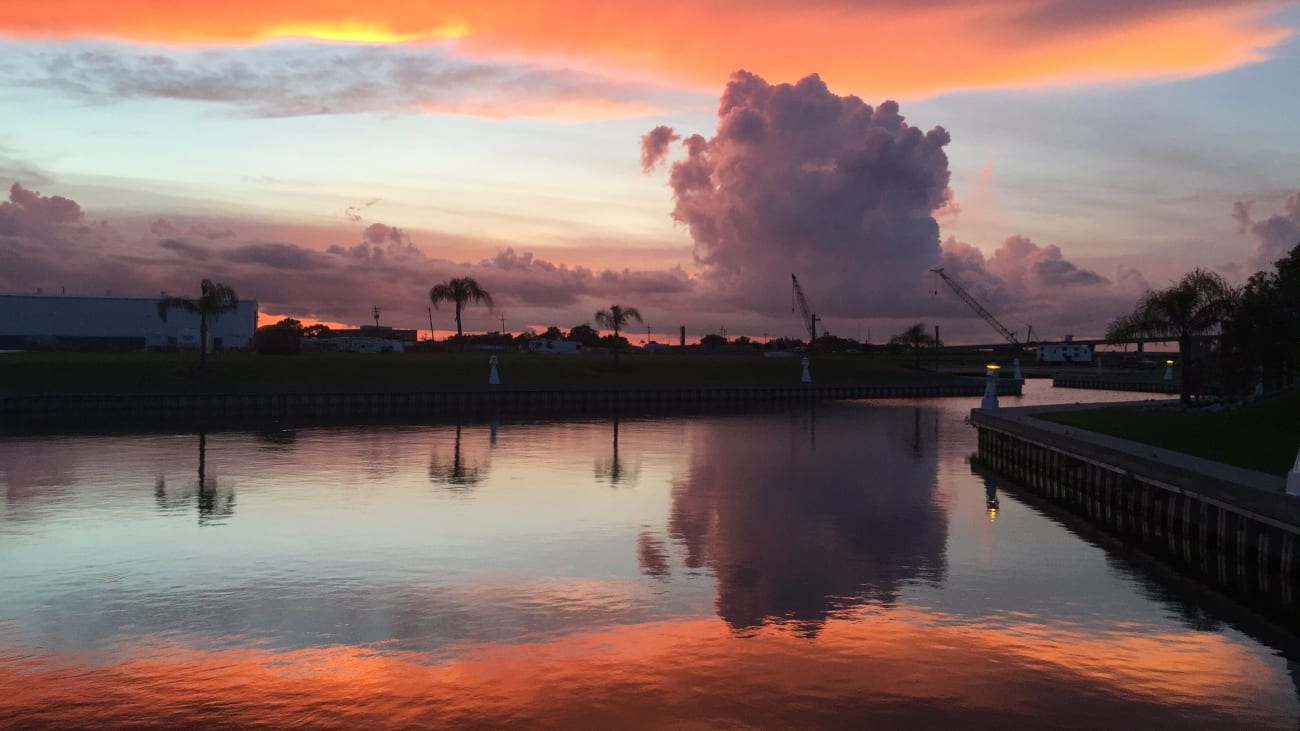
(1064, 352)
(58, 322)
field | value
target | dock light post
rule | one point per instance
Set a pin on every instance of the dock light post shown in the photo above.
(1169, 370)
(1016, 364)
(990, 402)
(493, 378)
(806, 377)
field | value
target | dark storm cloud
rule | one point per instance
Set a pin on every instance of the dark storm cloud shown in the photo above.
(190, 251)
(800, 180)
(277, 256)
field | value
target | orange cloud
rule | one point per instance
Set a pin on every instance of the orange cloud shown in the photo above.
(884, 48)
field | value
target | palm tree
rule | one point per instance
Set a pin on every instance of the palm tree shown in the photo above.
(214, 299)
(1194, 305)
(615, 318)
(461, 291)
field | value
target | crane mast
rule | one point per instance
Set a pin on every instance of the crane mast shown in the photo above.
(809, 317)
(974, 305)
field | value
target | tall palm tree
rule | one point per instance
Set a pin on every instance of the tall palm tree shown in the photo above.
(214, 299)
(460, 291)
(616, 318)
(1194, 305)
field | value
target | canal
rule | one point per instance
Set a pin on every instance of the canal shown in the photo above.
(839, 565)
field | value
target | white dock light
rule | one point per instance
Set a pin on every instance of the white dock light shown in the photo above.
(990, 402)
(1169, 370)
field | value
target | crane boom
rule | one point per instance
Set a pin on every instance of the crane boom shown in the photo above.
(974, 305)
(809, 317)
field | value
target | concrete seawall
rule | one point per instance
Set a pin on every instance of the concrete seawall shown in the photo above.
(1230, 527)
(1113, 383)
(54, 411)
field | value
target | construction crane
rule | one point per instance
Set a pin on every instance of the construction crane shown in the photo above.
(979, 309)
(810, 318)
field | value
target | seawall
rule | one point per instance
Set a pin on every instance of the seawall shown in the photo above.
(214, 408)
(1230, 527)
(1113, 383)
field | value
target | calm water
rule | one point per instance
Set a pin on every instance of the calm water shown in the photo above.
(836, 567)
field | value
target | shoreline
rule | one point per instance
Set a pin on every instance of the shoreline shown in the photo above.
(218, 406)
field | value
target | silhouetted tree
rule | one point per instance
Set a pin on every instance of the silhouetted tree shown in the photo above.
(584, 334)
(213, 300)
(1195, 305)
(460, 292)
(616, 318)
(916, 338)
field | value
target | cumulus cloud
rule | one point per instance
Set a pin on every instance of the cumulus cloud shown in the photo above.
(654, 146)
(45, 242)
(1024, 283)
(298, 80)
(1274, 236)
(797, 179)
(30, 213)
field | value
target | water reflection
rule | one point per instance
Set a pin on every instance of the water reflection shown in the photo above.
(794, 525)
(613, 470)
(457, 473)
(214, 504)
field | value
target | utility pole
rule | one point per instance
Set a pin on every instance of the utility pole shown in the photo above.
(503, 323)
(376, 310)
(647, 334)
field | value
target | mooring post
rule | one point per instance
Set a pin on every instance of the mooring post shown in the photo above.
(990, 402)
(1293, 478)
(493, 378)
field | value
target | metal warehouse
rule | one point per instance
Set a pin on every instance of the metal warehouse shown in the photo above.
(55, 322)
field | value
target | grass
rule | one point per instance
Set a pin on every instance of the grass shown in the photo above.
(1262, 436)
(165, 372)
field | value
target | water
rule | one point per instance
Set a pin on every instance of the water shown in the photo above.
(829, 567)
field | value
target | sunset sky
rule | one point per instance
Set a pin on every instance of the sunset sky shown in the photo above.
(325, 157)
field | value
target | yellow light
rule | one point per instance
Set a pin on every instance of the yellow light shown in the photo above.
(993, 367)
(1169, 362)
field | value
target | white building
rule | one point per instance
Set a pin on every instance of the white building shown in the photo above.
(1065, 352)
(114, 323)
(544, 345)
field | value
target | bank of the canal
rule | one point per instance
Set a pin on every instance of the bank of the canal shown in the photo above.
(234, 406)
(1232, 527)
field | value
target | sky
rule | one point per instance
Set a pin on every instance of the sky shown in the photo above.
(685, 158)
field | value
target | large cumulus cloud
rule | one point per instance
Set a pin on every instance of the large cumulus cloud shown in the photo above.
(1274, 236)
(797, 179)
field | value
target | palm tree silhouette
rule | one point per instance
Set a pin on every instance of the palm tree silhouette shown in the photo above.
(1195, 305)
(616, 318)
(214, 299)
(461, 292)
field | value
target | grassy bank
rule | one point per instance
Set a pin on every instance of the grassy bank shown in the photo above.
(145, 372)
(1262, 436)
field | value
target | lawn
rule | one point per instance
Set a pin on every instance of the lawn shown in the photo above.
(145, 372)
(1262, 436)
